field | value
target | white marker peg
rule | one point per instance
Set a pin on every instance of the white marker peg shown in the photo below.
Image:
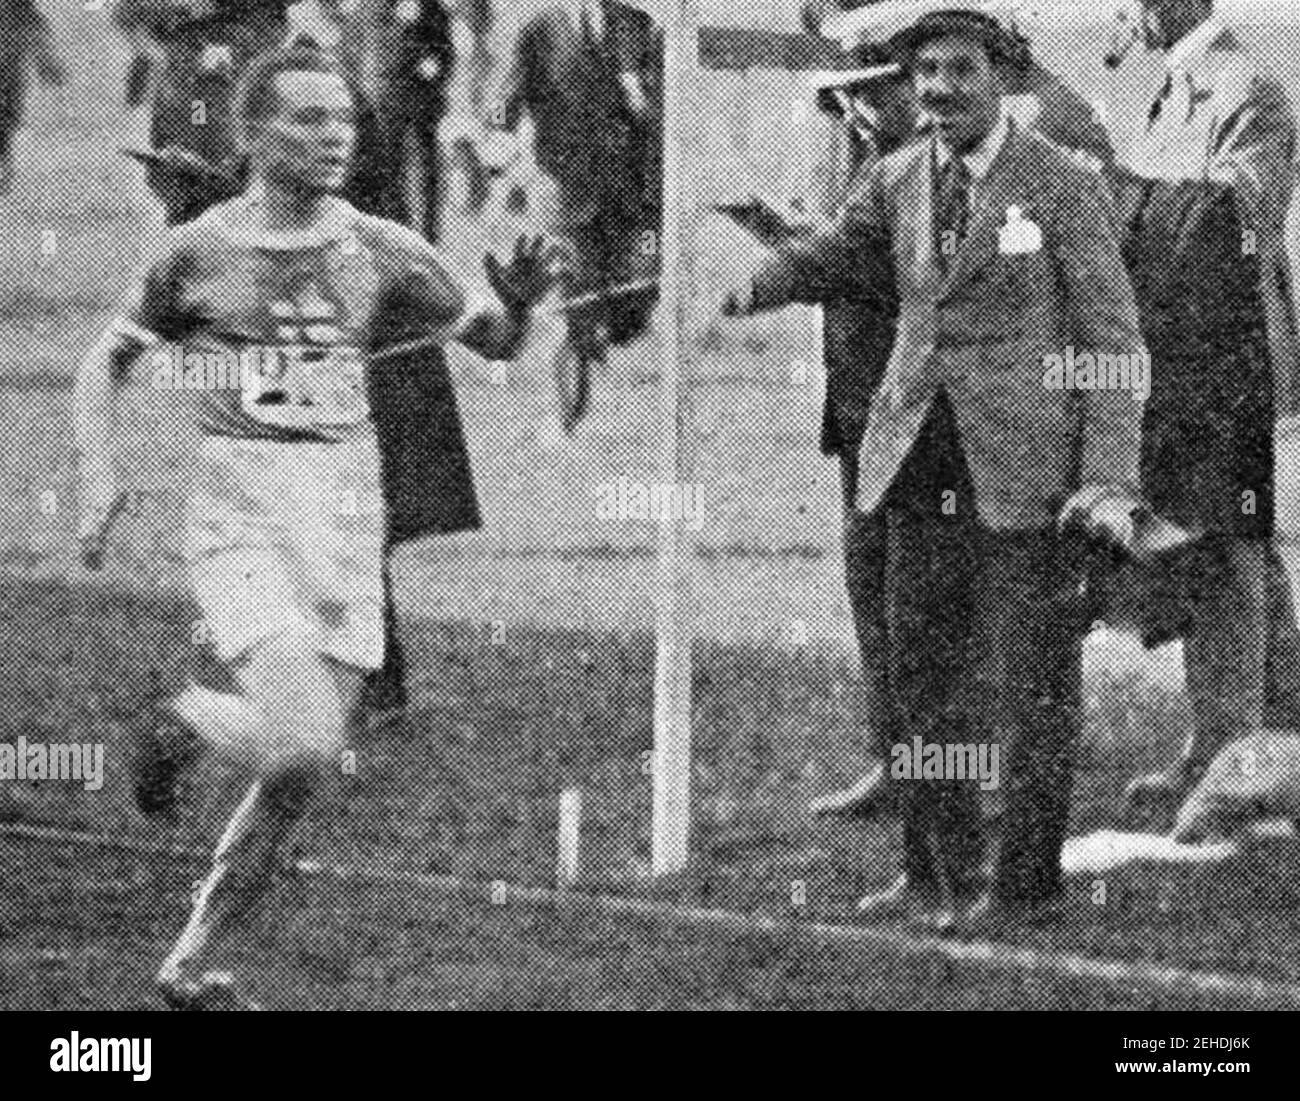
(569, 831)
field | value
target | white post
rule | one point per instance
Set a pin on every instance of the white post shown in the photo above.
(670, 836)
(569, 866)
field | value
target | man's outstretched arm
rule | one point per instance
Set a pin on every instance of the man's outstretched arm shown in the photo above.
(850, 259)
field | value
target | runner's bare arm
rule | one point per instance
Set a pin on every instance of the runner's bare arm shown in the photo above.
(493, 334)
(498, 333)
(94, 398)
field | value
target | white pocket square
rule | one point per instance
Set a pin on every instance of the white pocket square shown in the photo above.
(1020, 235)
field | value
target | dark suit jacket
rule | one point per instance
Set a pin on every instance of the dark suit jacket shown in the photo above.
(22, 29)
(585, 136)
(1227, 121)
(404, 93)
(982, 331)
(427, 480)
(859, 333)
(208, 129)
(1208, 426)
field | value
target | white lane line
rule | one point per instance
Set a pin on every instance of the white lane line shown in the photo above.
(972, 953)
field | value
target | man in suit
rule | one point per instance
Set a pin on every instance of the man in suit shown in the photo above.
(25, 42)
(1001, 249)
(204, 45)
(414, 57)
(875, 117)
(1218, 128)
(589, 75)
(858, 336)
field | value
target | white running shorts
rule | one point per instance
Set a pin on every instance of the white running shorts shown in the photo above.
(288, 538)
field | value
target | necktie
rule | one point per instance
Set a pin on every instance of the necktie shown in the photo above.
(951, 209)
(587, 21)
(1159, 104)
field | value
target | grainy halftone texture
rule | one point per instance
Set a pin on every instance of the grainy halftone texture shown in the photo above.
(528, 645)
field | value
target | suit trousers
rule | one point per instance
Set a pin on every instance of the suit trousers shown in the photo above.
(934, 483)
(1031, 612)
(909, 568)
(915, 649)
(969, 636)
(1225, 650)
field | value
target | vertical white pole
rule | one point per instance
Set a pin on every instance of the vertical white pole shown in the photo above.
(570, 838)
(670, 837)
(817, 369)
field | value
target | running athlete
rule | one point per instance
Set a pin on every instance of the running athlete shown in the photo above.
(295, 294)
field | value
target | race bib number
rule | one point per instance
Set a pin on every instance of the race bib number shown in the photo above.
(305, 386)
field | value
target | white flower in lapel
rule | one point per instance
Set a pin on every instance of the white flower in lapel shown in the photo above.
(1023, 110)
(216, 58)
(1020, 235)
